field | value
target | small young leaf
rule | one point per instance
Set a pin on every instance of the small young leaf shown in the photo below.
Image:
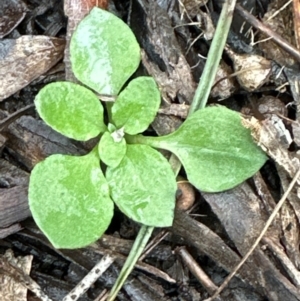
(136, 106)
(110, 151)
(143, 186)
(69, 200)
(71, 110)
(216, 151)
(104, 52)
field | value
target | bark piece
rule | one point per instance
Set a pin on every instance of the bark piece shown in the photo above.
(31, 140)
(10, 230)
(25, 59)
(13, 205)
(290, 220)
(12, 12)
(240, 212)
(13, 198)
(291, 233)
(2, 143)
(161, 53)
(11, 176)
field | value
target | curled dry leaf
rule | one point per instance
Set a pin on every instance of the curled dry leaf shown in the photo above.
(224, 83)
(252, 70)
(10, 288)
(25, 59)
(269, 136)
(185, 196)
(12, 12)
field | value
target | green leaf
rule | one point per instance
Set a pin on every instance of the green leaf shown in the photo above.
(104, 52)
(137, 105)
(143, 186)
(216, 151)
(111, 152)
(71, 110)
(69, 200)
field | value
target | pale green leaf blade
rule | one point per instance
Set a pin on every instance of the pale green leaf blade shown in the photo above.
(104, 52)
(69, 200)
(136, 106)
(216, 151)
(143, 186)
(111, 152)
(71, 110)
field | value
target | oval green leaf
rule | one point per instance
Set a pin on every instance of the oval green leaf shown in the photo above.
(216, 151)
(104, 52)
(71, 110)
(143, 186)
(69, 200)
(111, 152)
(136, 106)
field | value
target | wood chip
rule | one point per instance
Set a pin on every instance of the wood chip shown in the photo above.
(25, 59)
(13, 205)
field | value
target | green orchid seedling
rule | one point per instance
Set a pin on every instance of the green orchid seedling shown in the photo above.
(71, 198)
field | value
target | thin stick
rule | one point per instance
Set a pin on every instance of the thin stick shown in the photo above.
(90, 278)
(196, 270)
(268, 223)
